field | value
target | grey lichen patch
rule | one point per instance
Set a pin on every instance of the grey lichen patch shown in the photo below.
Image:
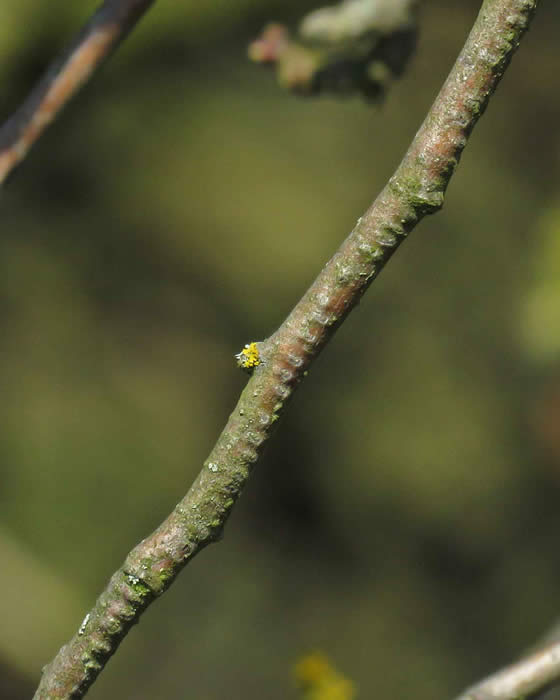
(112, 626)
(138, 590)
(386, 238)
(345, 273)
(370, 253)
(166, 577)
(310, 334)
(367, 277)
(91, 666)
(420, 198)
(321, 317)
(100, 647)
(84, 625)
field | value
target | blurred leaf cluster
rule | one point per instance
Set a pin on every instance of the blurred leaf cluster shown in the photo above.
(355, 46)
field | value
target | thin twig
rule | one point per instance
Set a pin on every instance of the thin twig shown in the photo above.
(281, 362)
(91, 46)
(524, 679)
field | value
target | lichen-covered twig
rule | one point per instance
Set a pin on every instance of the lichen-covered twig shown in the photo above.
(356, 46)
(280, 362)
(524, 679)
(108, 26)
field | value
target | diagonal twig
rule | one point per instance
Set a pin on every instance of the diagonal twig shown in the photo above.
(91, 46)
(523, 679)
(280, 362)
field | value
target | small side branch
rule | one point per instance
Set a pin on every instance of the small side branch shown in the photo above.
(524, 679)
(97, 39)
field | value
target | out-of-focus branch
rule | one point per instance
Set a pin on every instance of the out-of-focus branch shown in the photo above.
(280, 362)
(357, 46)
(525, 679)
(104, 31)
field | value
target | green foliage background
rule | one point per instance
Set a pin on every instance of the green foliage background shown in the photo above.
(405, 517)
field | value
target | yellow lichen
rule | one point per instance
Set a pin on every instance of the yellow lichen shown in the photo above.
(249, 357)
(318, 680)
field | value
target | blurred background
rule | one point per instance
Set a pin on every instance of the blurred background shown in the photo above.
(404, 518)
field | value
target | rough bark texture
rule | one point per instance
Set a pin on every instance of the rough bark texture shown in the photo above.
(416, 189)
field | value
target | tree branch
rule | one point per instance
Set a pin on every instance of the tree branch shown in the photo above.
(280, 363)
(524, 679)
(93, 44)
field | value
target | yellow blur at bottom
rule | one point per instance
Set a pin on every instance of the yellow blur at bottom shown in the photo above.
(318, 680)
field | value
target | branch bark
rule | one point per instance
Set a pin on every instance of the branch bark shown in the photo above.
(524, 679)
(92, 45)
(280, 362)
